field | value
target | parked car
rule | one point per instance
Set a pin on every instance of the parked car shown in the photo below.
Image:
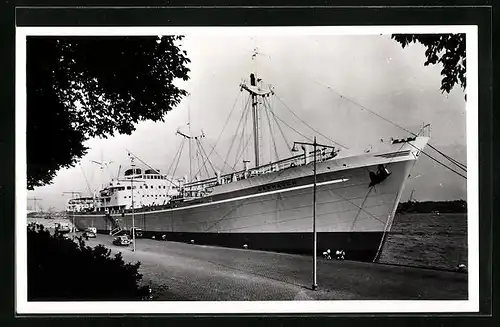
(89, 233)
(61, 229)
(122, 240)
(66, 236)
(138, 232)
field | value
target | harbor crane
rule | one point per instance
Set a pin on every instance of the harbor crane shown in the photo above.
(73, 193)
(34, 199)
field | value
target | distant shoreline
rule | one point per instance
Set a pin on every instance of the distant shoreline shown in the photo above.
(455, 206)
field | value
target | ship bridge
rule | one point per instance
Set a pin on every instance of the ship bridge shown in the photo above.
(137, 188)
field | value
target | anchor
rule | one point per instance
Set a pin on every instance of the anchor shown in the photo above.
(378, 177)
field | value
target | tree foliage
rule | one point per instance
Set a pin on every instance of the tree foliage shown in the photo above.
(84, 87)
(447, 49)
(61, 269)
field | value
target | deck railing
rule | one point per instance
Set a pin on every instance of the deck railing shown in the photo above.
(295, 161)
(199, 189)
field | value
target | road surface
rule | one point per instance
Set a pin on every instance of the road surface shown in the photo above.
(179, 271)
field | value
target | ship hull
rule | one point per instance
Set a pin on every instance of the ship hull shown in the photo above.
(274, 212)
(359, 246)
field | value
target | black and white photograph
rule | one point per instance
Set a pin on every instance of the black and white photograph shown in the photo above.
(247, 169)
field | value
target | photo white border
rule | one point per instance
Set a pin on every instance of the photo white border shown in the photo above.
(201, 307)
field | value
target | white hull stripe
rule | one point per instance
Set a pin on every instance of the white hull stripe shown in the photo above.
(240, 197)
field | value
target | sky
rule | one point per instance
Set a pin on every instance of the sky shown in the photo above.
(307, 74)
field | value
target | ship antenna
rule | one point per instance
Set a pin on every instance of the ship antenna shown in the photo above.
(254, 60)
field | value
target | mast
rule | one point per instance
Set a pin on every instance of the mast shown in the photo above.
(255, 90)
(255, 116)
(189, 138)
(34, 200)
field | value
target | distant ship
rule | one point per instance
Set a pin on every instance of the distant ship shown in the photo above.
(269, 206)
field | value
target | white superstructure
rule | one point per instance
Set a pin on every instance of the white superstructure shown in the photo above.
(150, 188)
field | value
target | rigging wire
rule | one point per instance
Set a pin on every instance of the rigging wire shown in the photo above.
(200, 170)
(220, 157)
(240, 144)
(144, 163)
(242, 138)
(365, 108)
(439, 162)
(243, 113)
(272, 137)
(232, 209)
(279, 127)
(225, 125)
(86, 180)
(244, 148)
(454, 161)
(305, 123)
(178, 158)
(361, 207)
(276, 116)
(201, 154)
(240, 151)
(208, 159)
(176, 154)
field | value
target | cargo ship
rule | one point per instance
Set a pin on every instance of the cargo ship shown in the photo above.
(352, 196)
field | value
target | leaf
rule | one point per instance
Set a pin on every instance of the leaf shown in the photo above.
(84, 87)
(446, 49)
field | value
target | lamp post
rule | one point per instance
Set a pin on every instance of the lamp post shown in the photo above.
(315, 236)
(133, 213)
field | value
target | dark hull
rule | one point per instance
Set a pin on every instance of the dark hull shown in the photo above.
(360, 246)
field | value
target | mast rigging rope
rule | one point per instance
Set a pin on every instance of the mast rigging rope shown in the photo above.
(439, 162)
(225, 125)
(305, 123)
(454, 161)
(272, 135)
(245, 109)
(176, 154)
(279, 127)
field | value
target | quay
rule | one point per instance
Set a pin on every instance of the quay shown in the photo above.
(180, 271)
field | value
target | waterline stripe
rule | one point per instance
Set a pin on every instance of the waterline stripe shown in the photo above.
(239, 198)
